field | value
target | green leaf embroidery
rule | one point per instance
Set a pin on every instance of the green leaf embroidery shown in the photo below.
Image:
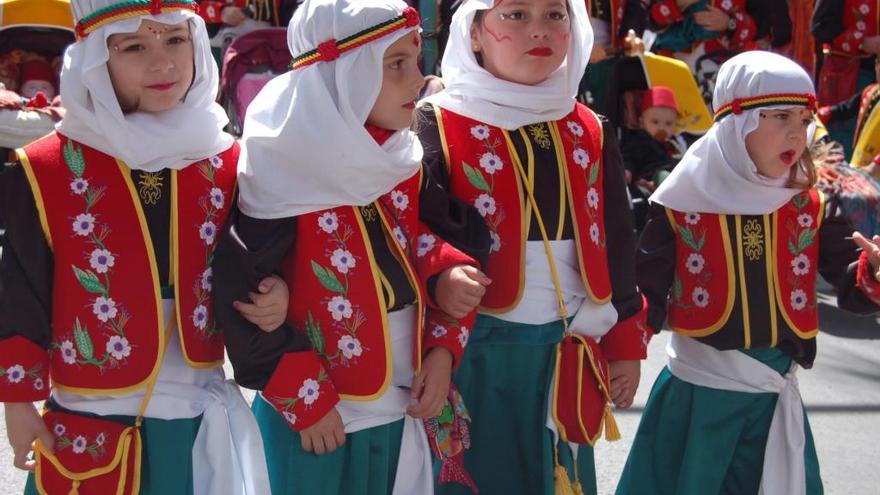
(701, 241)
(800, 201)
(688, 238)
(74, 158)
(83, 341)
(676, 289)
(805, 239)
(313, 331)
(594, 173)
(475, 177)
(327, 278)
(792, 248)
(89, 281)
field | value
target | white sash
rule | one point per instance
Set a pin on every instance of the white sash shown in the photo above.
(703, 365)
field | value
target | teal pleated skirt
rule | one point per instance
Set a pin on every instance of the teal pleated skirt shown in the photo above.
(504, 378)
(695, 440)
(166, 462)
(365, 465)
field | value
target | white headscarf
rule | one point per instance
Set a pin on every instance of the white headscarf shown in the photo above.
(175, 138)
(473, 92)
(305, 147)
(716, 175)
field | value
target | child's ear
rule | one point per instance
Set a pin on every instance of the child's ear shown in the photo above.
(475, 42)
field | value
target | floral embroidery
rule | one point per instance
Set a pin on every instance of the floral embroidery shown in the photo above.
(79, 444)
(798, 299)
(308, 393)
(424, 244)
(328, 222)
(800, 238)
(211, 202)
(753, 239)
(463, 335)
(480, 132)
(695, 263)
(491, 163)
(575, 128)
(540, 135)
(700, 296)
(349, 346)
(800, 265)
(590, 171)
(482, 179)
(16, 374)
(485, 204)
(693, 236)
(439, 331)
(399, 199)
(692, 218)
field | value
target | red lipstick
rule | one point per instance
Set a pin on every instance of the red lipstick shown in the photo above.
(787, 157)
(162, 86)
(541, 51)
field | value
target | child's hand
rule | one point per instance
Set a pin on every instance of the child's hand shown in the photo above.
(232, 16)
(624, 381)
(23, 426)
(634, 45)
(872, 248)
(871, 44)
(646, 184)
(269, 308)
(431, 386)
(684, 4)
(324, 436)
(460, 289)
(712, 19)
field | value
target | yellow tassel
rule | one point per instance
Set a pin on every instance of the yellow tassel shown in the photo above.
(576, 488)
(612, 434)
(563, 484)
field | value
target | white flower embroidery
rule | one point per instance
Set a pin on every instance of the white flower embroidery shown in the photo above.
(328, 222)
(700, 296)
(15, 373)
(692, 218)
(858, 35)
(744, 34)
(800, 265)
(864, 8)
(100, 439)
(805, 220)
(400, 200)
(216, 161)
(310, 391)
(79, 186)
(399, 237)
(289, 417)
(695, 263)
(101, 260)
(575, 128)
(726, 4)
(861, 26)
(845, 46)
(798, 299)
(425, 243)
(104, 308)
(480, 132)
(350, 346)
(594, 233)
(342, 260)
(38, 384)
(207, 279)
(339, 308)
(68, 353)
(439, 331)
(490, 162)
(207, 232)
(485, 204)
(200, 317)
(496, 242)
(664, 10)
(593, 198)
(581, 157)
(463, 336)
(79, 444)
(118, 347)
(59, 429)
(217, 198)
(84, 224)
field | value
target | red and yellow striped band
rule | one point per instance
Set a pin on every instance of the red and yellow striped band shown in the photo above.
(332, 49)
(737, 106)
(130, 8)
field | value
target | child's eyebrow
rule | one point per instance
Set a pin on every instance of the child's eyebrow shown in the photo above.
(398, 53)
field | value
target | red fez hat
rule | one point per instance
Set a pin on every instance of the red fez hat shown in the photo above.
(659, 96)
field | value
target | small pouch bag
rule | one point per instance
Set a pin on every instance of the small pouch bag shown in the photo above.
(92, 456)
(838, 78)
(581, 397)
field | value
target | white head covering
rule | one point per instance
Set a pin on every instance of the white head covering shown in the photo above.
(189, 132)
(716, 175)
(305, 147)
(473, 92)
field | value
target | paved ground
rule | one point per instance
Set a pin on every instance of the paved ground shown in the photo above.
(842, 394)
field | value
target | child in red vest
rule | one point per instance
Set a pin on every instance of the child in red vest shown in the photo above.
(333, 196)
(106, 274)
(729, 257)
(507, 136)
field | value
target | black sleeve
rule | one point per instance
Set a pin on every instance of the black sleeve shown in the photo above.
(635, 17)
(619, 230)
(828, 20)
(655, 264)
(26, 264)
(429, 135)
(847, 109)
(838, 260)
(772, 19)
(248, 251)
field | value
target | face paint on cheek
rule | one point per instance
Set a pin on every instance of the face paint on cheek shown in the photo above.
(498, 38)
(417, 40)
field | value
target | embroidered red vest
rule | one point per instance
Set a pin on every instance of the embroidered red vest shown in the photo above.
(480, 158)
(616, 19)
(747, 281)
(107, 315)
(861, 18)
(337, 294)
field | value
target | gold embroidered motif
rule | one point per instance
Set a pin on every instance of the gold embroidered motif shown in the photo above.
(369, 213)
(150, 187)
(540, 135)
(753, 239)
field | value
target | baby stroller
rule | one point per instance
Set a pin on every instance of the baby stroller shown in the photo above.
(249, 63)
(630, 78)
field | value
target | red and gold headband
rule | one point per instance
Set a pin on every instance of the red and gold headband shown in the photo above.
(331, 49)
(130, 8)
(738, 105)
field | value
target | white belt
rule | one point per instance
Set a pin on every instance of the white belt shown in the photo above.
(703, 365)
